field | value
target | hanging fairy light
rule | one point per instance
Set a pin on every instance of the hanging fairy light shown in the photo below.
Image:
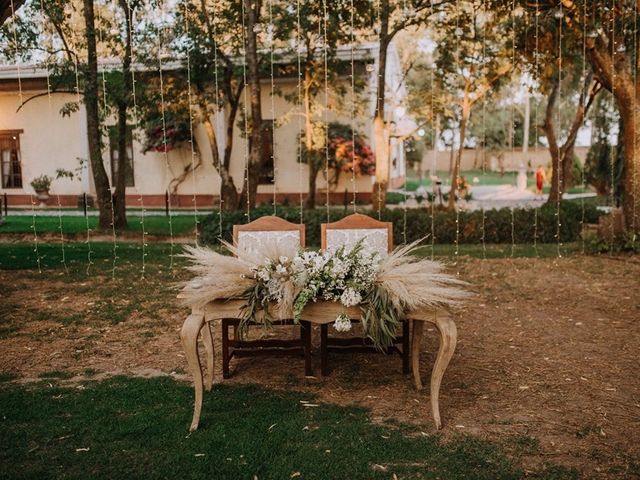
(326, 108)
(513, 115)
(217, 113)
(484, 138)
(459, 32)
(298, 45)
(434, 141)
(584, 76)
(113, 180)
(20, 96)
(635, 116)
(353, 112)
(269, 38)
(191, 140)
(536, 133)
(256, 28)
(559, 15)
(613, 150)
(136, 123)
(81, 128)
(43, 25)
(165, 150)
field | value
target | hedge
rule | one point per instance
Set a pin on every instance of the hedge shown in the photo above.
(497, 223)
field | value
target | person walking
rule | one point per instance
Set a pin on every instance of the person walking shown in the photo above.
(541, 178)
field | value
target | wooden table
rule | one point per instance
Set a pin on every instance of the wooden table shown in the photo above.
(318, 313)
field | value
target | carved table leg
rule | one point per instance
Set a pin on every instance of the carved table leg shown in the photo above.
(416, 343)
(448, 340)
(189, 335)
(208, 345)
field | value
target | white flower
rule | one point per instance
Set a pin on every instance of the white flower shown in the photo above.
(281, 270)
(350, 297)
(283, 259)
(342, 323)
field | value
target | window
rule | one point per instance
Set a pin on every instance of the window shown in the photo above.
(266, 173)
(113, 155)
(10, 158)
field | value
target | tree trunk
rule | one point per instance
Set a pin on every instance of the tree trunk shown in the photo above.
(631, 182)
(562, 156)
(466, 112)
(624, 91)
(312, 160)
(119, 198)
(555, 194)
(100, 178)
(229, 199)
(313, 180)
(381, 142)
(252, 12)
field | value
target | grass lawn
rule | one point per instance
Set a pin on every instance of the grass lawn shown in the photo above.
(20, 256)
(137, 428)
(153, 225)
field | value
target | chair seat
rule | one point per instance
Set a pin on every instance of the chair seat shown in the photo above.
(236, 347)
(359, 344)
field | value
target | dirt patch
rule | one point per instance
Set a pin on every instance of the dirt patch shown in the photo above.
(546, 362)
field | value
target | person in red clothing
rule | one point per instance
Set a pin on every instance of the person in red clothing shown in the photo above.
(541, 178)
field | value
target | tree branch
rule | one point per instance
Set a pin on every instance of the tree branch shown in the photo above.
(43, 94)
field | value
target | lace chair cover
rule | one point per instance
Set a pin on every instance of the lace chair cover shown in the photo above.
(376, 239)
(249, 241)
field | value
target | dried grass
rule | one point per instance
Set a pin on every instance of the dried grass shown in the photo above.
(413, 283)
(219, 276)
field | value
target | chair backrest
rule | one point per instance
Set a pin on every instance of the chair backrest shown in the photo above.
(351, 229)
(274, 229)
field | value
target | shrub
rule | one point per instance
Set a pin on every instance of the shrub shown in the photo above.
(528, 224)
(395, 198)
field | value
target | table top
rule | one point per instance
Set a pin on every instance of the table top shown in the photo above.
(315, 312)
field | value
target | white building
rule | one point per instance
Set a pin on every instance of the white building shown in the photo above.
(36, 139)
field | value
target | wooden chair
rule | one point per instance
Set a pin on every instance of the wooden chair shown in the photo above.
(246, 237)
(378, 236)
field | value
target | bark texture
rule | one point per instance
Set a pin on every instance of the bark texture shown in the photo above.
(100, 178)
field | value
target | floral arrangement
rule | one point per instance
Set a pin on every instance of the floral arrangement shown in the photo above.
(42, 183)
(360, 158)
(383, 287)
(175, 135)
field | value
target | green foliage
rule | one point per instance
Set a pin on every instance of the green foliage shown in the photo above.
(497, 223)
(76, 226)
(627, 243)
(42, 183)
(137, 428)
(395, 198)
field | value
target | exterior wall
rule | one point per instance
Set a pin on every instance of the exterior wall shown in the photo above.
(50, 142)
(511, 160)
